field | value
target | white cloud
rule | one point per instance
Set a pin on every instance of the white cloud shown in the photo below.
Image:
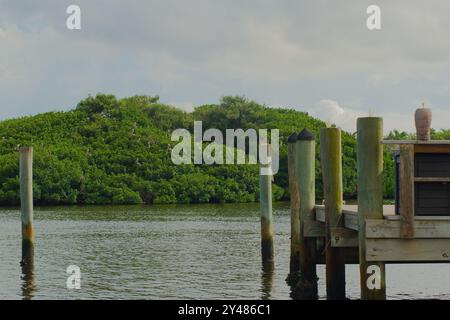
(330, 111)
(284, 52)
(185, 106)
(345, 118)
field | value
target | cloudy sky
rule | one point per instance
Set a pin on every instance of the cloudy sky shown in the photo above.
(316, 56)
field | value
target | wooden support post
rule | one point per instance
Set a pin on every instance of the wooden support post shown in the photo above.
(370, 202)
(294, 262)
(331, 159)
(26, 203)
(305, 173)
(265, 200)
(407, 191)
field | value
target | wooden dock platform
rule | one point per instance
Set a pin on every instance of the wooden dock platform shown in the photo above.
(383, 242)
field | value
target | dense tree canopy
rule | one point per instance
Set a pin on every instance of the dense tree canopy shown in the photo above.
(118, 151)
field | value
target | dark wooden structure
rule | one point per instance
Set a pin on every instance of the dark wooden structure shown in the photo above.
(431, 177)
(423, 180)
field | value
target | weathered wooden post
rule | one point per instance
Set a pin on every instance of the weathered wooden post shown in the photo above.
(407, 190)
(294, 264)
(331, 159)
(305, 174)
(26, 203)
(370, 201)
(265, 200)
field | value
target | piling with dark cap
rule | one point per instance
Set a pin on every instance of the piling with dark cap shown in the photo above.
(331, 159)
(26, 203)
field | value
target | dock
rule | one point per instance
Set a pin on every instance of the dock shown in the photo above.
(415, 230)
(383, 240)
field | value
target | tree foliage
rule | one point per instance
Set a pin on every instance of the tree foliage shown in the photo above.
(118, 151)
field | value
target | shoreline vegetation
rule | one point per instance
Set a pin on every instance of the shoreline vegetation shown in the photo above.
(277, 204)
(118, 151)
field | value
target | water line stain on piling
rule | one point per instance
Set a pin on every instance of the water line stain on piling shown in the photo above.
(28, 232)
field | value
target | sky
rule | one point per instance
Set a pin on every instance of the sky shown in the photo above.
(315, 56)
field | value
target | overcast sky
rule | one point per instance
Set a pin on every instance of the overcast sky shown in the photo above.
(315, 56)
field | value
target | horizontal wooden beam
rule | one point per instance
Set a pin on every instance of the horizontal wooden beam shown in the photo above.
(350, 256)
(342, 237)
(320, 213)
(432, 179)
(350, 217)
(421, 142)
(313, 229)
(351, 220)
(432, 148)
(418, 218)
(423, 229)
(417, 250)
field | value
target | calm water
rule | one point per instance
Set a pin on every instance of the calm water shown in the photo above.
(171, 252)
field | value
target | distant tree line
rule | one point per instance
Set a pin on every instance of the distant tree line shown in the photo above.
(117, 151)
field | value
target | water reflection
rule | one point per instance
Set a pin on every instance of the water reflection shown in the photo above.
(27, 264)
(267, 273)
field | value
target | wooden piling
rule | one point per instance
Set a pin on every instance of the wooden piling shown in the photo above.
(370, 201)
(26, 203)
(305, 174)
(294, 264)
(406, 187)
(331, 159)
(265, 200)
